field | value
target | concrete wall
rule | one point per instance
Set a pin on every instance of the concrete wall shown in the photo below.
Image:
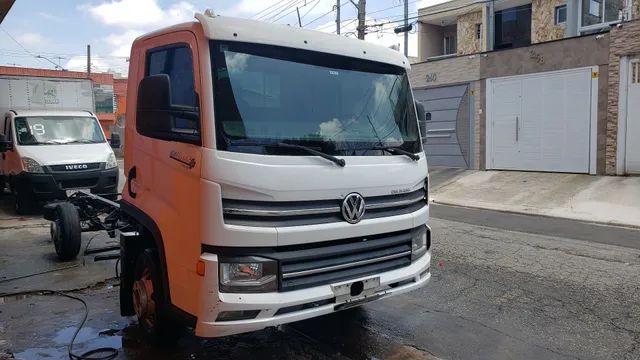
(468, 42)
(556, 55)
(430, 41)
(625, 41)
(543, 26)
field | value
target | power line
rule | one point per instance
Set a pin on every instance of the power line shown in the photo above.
(267, 8)
(310, 9)
(27, 51)
(325, 14)
(277, 12)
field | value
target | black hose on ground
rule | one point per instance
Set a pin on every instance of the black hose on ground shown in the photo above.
(109, 352)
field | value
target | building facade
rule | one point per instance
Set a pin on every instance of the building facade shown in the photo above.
(529, 84)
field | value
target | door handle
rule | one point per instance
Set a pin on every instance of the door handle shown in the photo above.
(130, 177)
(517, 127)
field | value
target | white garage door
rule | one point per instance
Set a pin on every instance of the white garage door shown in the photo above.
(540, 122)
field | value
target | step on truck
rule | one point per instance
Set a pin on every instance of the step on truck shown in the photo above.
(51, 141)
(273, 174)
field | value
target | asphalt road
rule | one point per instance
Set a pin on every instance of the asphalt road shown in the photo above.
(504, 287)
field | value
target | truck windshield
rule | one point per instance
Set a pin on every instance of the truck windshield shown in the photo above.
(338, 105)
(52, 130)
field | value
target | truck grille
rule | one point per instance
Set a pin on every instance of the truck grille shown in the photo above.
(293, 213)
(74, 167)
(324, 264)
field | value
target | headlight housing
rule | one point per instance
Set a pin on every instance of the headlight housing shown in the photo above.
(248, 275)
(420, 242)
(31, 166)
(111, 161)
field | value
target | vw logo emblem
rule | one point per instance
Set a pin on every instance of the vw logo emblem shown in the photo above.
(353, 208)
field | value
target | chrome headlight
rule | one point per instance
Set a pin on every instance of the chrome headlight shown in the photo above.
(420, 242)
(31, 166)
(248, 274)
(111, 162)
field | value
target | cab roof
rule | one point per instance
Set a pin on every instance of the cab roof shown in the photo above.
(252, 31)
(53, 113)
(244, 30)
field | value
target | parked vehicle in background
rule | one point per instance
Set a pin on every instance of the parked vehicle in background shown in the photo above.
(51, 141)
(274, 174)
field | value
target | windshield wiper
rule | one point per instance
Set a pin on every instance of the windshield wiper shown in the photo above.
(335, 160)
(396, 150)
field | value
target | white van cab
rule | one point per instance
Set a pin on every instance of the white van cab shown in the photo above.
(47, 153)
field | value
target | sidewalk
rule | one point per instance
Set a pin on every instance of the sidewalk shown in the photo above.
(601, 199)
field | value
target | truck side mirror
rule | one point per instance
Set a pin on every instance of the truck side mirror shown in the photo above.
(115, 141)
(5, 145)
(420, 111)
(153, 112)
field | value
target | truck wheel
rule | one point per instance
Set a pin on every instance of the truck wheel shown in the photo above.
(65, 232)
(148, 302)
(24, 204)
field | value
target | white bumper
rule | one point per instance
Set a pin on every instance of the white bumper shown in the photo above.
(212, 302)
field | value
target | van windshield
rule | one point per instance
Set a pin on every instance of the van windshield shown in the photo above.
(52, 130)
(266, 95)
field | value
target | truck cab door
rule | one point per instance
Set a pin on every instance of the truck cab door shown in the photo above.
(163, 157)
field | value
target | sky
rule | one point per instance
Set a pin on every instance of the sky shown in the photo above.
(46, 34)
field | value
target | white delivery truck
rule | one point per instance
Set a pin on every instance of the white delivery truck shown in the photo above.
(274, 174)
(52, 140)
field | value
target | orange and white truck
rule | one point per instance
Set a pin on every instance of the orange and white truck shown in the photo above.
(273, 174)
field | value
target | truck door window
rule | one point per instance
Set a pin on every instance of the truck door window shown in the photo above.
(176, 61)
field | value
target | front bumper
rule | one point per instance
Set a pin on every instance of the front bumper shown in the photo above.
(51, 186)
(298, 304)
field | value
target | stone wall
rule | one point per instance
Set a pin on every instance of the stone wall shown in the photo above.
(543, 26)
(625, 41)
(448, 71)
(468, 42)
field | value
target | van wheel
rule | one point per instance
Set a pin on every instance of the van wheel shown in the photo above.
(65, 232)
(24, 204)
(148, 302)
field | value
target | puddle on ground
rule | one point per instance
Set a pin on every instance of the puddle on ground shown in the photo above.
(88, 338)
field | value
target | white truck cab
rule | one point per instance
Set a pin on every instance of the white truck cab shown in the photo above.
(47, 150)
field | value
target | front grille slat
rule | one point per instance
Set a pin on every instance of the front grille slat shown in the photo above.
(283, 214)
(330, 263)
(342, 249)
(343, 260)
(320, 279)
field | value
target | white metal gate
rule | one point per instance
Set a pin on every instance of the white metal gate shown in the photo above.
(540, 122)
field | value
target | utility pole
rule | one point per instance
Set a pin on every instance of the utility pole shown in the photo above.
(338, 17)
(406, 24)
(299, 21)
(361, 5)
(88, 60)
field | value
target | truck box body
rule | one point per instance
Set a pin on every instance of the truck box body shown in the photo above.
(39, 93)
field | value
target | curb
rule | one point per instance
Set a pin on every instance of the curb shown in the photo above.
(519, 212)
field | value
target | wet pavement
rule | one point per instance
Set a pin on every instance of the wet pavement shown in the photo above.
(495, 294)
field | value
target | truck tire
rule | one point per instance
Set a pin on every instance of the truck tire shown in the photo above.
(25, 204)
(66, 232)
(150, 306)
